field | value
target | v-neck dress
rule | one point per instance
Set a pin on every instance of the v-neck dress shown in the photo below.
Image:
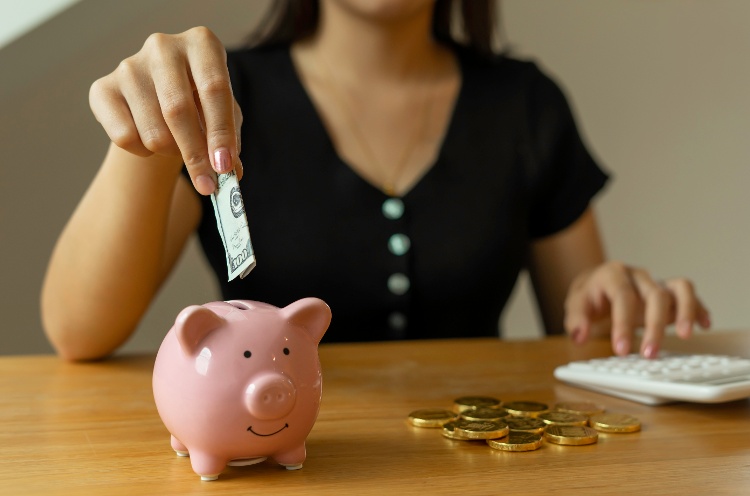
(442, 260)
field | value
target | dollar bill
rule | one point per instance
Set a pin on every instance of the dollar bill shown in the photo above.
(231, 222)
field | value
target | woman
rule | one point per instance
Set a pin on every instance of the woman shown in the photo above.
(401, 176)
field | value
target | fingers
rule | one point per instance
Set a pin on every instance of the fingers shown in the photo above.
(176, 105)
(630, 298)
(704, 316)
(689, 309)
(658, 313)
(112, 111)
(600, 297)
(584, 307)
(174, 98)
(143, 103)
(577, 326)
(207, 62)
(625, 303)
(577, 312)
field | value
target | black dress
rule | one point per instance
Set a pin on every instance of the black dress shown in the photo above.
(440, 261)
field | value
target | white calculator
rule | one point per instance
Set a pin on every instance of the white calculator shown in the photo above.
(700, 378)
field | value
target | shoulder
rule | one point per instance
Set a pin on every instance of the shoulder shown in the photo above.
(545, 104)
(498, 66)
(508, 71)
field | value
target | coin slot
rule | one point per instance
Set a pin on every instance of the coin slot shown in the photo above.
(239, 305)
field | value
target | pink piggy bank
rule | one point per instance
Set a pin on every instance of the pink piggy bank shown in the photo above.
(236, 382)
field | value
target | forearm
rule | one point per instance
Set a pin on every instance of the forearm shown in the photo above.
(554, 262)
(106, 266)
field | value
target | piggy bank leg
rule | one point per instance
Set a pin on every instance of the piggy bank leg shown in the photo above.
(293, 458)
(178, 447)
(206, 465)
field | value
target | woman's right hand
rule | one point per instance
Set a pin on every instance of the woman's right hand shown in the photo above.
(174, 98)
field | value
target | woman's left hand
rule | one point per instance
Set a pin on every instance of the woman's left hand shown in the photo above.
(622, 298)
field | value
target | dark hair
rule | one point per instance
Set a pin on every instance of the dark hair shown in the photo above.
(475, 27)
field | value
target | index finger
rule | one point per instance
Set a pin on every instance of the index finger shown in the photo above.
(208, 69)
(624, 304)
(658, 302)
(175, 95)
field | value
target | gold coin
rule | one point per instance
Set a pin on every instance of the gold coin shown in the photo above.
(525, 424)
(431, 417)
(570, 435)
(525, 408)
(484, 413)
(586, 408)
(484, 429)
(449, 431)
(517, 441)
(471, 402)
(563, 418)
(615, 422)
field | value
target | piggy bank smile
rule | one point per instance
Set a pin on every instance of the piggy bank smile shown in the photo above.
(250, 429)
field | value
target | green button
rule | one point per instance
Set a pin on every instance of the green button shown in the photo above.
(398, 283)
(393, 208)
(397, 321)
(399, 244)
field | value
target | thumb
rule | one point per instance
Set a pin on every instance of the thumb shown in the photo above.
(578, 318)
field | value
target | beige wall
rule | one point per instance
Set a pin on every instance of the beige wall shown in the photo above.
(659, 89)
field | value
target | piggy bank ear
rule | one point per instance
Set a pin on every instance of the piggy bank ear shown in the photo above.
(193, 324)
(311, 313)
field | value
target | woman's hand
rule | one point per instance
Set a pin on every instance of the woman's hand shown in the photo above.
(174, 98)
(624, 298)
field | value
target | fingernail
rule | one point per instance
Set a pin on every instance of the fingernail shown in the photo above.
(622, 347)
(575, 335)
(205, 184)
(706, 321)
(650, 350)
(222, 161)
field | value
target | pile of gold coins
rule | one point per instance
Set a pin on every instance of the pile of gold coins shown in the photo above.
(523, 425)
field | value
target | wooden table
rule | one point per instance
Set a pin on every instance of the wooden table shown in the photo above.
(93, 429)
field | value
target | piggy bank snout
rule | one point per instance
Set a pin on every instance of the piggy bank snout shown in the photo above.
(270, 396)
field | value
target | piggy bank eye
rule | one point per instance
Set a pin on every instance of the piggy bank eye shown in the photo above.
(247, 354)
(286, 351)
